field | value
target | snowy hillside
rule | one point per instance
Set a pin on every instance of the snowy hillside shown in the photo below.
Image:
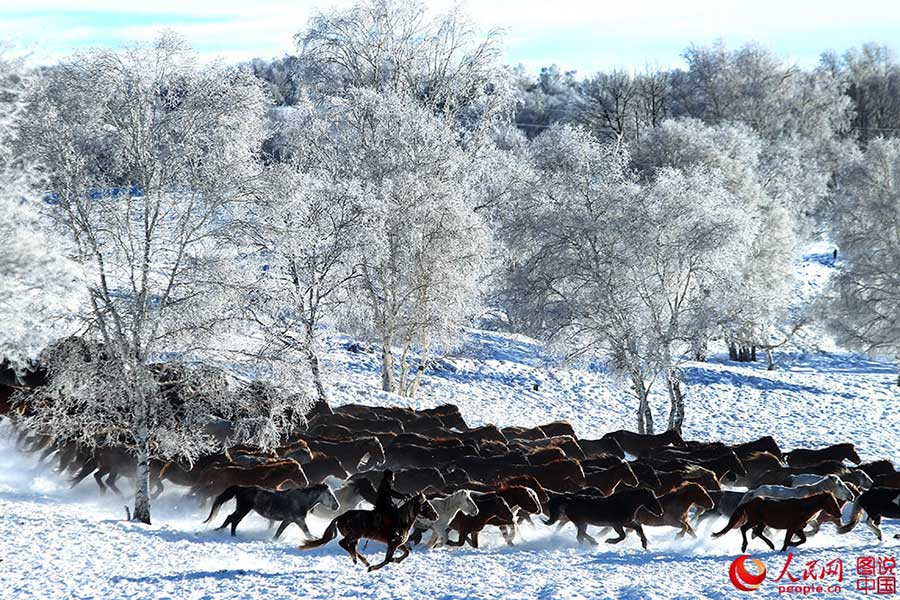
(61, 543)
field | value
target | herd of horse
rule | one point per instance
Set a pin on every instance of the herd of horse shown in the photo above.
(454, 481)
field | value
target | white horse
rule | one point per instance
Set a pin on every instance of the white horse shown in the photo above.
(858, 478)
(803, 486)
(826, 483)
(447, 508)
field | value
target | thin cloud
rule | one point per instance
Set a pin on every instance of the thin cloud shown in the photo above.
(583, 35)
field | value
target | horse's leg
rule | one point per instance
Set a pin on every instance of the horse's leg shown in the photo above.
(98, 477)
(473, 539)
(111, 483)
(459, 542)
(350, 546)
(814, 527)
(744, 528)
(686, 528)
(237, 516)
(433, 540)
(640, 531)
(787, 539)
(284, 525)
(405, 549)
(873, 523)
(388, 557)
(802, 537)
(621, 531)
(302, 523)
(761, 534)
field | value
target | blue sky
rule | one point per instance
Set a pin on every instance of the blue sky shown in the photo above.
(575, 34)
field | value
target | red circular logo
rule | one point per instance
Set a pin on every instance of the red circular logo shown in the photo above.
(743, 579)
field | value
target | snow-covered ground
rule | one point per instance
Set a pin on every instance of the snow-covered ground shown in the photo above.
(61, 543)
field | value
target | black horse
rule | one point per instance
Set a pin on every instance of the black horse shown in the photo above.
(287, 506)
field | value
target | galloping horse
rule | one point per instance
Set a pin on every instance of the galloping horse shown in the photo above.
(355, 525)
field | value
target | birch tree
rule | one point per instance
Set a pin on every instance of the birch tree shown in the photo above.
(305, 237)
(625, 266)
(146, 156)
(422, 253)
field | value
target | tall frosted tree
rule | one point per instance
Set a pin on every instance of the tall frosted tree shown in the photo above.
(733, 152)
(619, 267)
(865, 310)
(305, 236)
(147, 155)
(422, 250)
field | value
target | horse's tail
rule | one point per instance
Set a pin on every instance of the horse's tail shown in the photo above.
(330, 534)
(855, 516)
(221, 499)
(737, 519)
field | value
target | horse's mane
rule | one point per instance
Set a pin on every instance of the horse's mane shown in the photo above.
(685, 485)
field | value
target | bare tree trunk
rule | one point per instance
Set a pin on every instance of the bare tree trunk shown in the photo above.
(414, 387)
(404, 368)
(387, 365)
(770, 358)
(699, 349)
(316, 374)
(142, 483)
(645, 415)
(676, 401)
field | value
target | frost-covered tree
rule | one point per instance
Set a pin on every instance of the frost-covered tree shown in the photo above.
(422, 249)
(733, 152)
(146, 156)
(35, 279)
(306, 235)
(395, 47)
(872, 77)
(621, 268)
(865, 311)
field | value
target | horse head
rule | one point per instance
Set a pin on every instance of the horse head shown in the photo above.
(852, 454)
(328, 499)
(467, 504)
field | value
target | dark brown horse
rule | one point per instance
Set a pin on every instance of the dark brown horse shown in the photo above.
(876, 468)
(671, 480)
(492, 510)
(601, 446)
(637, 444)
(618, 511)
(676, 505)
(278, 475)
(607, 480)
(561, 475)
(357, 454)
(392, 529)
(790, 514)
(803, 457)
(764, 444)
